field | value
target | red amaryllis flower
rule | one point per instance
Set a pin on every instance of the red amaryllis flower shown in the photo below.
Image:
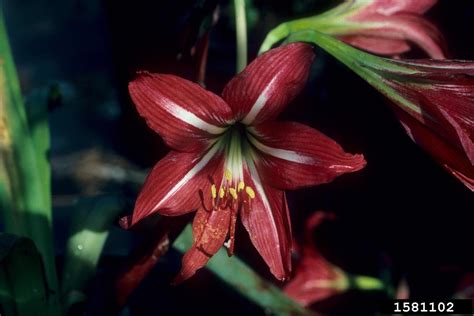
(385, 27)
(436, 106)
(315, 278)
(388, 27)
(434, 99)
(231, 158)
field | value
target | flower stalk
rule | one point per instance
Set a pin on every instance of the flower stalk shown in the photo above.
(241, 34)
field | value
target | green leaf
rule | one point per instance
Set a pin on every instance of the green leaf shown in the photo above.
(24, 168)
(89, 233)
(245, 281)
(23, 288)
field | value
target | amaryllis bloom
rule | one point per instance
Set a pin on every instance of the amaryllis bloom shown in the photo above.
(435, 104)
(231, 159)
(385, 27)
(315, 278)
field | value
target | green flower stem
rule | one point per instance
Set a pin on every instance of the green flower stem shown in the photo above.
(25, 179)
(245, 281)
(241, 34)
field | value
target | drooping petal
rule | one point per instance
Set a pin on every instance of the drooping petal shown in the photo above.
(268, 223)
(449, 156)
(175, 184)
(210, 230)
(389, 7)
(440, 95)
(377, 45)
(293, 155)
(183, 113)
(406, 27)
(266, 86)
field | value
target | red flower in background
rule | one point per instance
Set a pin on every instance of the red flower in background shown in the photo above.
(389, 27)
(315, 278)
(385, 27)
(231, 158)
(435, 101)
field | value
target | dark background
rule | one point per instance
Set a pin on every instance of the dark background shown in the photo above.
(403, 212)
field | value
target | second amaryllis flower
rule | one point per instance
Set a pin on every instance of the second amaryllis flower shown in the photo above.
(434, 100)
(231, 159)
(385, 27)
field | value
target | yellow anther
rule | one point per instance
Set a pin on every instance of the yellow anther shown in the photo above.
(228, 174)
(213, 191)
(250, 192)
(221, 192)
(233, 193)
(241, 186)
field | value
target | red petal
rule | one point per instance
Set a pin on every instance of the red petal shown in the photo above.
(439, 94)
(450, 157)
(377, 45)
(293, 155)
(263, 89)
(408, 27)
(209, 231)
(183, 113)
(173, 186)
(389, 7)
(268, 224)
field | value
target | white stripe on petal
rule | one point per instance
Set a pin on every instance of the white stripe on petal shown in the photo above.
(260, 103)
(190, 118)
(284, 154)
(191, 173)
(259, 187)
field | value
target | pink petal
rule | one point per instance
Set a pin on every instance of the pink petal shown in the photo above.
(408, 27)
(389, 7)
(263, 89)
(377, 45)
(268, 224)
(209, 232)
(182, 112)
(173, 186)
(293, 155)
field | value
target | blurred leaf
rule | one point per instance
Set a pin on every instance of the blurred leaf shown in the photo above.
(245, 281)
(24, 169)
(23, 288)
(90, 229)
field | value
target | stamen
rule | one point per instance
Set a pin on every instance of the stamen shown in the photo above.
(233, 193)
(213, 191)
(241, 186)
(250, 192)
(228, 174)
(221, 192)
